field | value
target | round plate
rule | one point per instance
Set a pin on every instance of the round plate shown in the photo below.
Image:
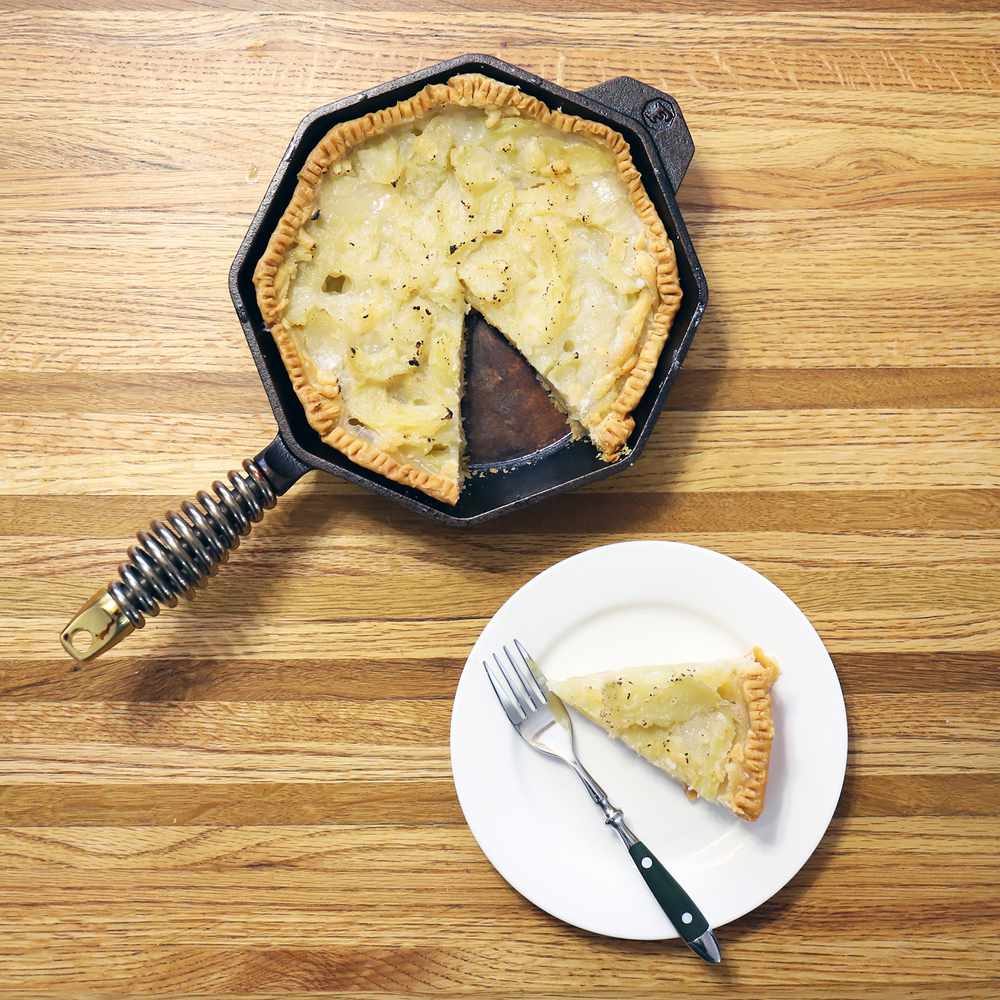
(638, 604)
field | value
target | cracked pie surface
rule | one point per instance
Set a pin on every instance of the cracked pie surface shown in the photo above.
(469, 195)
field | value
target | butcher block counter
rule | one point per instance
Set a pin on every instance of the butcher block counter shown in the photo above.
(252, 797)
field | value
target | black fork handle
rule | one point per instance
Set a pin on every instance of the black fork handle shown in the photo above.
(680, 909)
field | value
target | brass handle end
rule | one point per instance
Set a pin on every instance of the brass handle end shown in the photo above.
(98, 626)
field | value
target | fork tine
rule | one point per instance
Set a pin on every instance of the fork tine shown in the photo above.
(536, 675)
(524, 702)
(527, 678)
(518, 682)
(509, 704)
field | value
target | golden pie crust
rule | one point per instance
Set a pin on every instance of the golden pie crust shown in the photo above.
(321, 397)
(748, 795)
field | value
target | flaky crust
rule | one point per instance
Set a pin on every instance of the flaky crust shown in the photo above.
(322, 400)
(747, 797)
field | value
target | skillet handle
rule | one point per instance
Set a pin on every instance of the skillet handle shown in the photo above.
(661, 116)
(177, 554)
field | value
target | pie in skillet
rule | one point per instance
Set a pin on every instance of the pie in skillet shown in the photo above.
(469, 195)
(708, 725)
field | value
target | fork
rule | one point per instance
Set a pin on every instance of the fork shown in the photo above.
(541, 720)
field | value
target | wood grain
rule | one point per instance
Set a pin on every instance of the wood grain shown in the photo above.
(252, 798)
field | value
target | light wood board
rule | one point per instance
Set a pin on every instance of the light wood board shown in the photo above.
(252, 797)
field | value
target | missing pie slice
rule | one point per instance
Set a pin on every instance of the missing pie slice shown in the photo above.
(470, 194)
(707, 725)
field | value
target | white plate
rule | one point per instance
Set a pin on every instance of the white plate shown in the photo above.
(633, 604)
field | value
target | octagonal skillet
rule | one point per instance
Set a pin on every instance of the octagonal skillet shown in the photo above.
(519, 448)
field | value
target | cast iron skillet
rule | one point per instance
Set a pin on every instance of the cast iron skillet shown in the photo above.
(519, 448)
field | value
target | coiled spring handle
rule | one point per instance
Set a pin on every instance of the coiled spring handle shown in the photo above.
(176, 555)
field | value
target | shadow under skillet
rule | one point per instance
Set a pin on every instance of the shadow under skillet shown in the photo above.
(244, 587)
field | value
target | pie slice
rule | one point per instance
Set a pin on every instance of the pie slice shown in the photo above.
(706, 724)
(469, 194)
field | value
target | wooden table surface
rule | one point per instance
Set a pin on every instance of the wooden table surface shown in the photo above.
(253, 797)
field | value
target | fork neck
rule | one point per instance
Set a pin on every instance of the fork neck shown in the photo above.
(612, 814)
